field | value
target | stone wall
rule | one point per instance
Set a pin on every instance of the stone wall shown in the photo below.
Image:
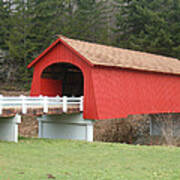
(28, 126)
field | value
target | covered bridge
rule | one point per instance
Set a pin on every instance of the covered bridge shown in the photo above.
(115, 82)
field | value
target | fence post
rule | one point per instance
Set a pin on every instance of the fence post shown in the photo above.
(65, 104)
(45, 105)
(24, 105)
(1, 104)
(81, 103)
(58, 98)
(40, 99)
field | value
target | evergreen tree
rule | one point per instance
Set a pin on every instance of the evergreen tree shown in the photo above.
(174, 18)
(146, 25)
(5, 12)
(86, 20)
(32, 29)
(15, 40)
(46, 17)
(7, 8)
(2, 23)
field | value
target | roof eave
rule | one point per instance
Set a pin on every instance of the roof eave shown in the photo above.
(135, 69)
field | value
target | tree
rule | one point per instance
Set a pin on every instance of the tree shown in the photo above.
(86, 20)
(6, 8)
(28, 27)
(174, 17)
(2, 22)
(146, 25)
(5, 13)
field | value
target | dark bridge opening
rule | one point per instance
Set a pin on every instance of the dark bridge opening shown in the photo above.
(62, 79)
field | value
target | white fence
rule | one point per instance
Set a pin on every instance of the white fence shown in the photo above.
(25, 102)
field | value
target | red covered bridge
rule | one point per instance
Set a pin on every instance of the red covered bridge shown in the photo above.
(115, 82)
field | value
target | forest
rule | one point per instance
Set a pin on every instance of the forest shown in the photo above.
(27, 27)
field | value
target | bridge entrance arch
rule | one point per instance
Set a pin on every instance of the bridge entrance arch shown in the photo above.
(63, 79)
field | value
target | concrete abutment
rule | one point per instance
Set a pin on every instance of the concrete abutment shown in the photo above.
(64, 126)
(9, 128)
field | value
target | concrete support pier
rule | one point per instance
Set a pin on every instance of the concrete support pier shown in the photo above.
(66, 126)
(9, 128)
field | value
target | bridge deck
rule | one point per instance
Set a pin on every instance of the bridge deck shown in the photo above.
(37, 106)
(67, 127)
(37, 111)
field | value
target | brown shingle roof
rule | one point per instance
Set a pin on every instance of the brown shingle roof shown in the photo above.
(110, 56)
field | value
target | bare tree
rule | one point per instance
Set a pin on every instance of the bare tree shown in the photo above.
(167, 127)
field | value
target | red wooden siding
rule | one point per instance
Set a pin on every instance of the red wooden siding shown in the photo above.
(119, 92)
(50, 87)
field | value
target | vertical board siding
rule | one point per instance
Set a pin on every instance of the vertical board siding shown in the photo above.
(51, 87)
(119, 92)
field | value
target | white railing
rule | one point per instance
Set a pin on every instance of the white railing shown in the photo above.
(25, 102)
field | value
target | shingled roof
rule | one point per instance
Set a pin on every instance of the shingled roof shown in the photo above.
(98, 54)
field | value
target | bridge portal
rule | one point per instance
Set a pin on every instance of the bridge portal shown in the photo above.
(63, 79)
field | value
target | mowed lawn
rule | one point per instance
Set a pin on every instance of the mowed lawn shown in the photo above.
(34, 159)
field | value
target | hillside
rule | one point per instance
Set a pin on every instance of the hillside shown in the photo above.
(58, 159)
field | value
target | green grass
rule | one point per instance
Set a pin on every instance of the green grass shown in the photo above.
(34, 159)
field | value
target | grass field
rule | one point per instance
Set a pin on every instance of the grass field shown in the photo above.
(34, 159)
